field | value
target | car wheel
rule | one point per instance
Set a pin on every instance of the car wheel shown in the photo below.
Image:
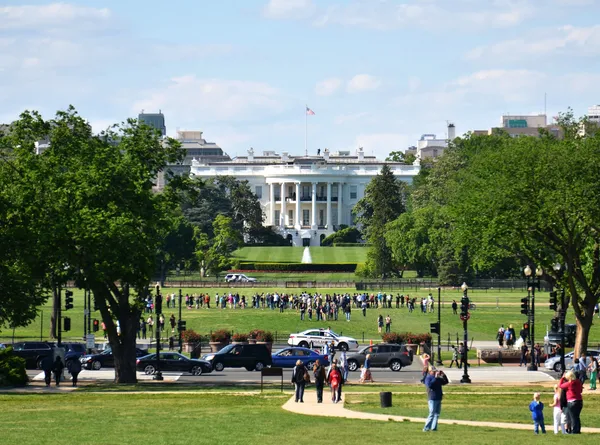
(249, 368)
(395, 365)
(343, 346)
(352, 365)
(303, 344)
(557, 367)
(219, 366)
(197, 370)
(38, 364)
(259, 366)
(149, 370)
(96, 365)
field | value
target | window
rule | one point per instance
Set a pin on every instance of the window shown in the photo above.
(277, 218)
(353, 191)
(306, 191)
(321, 216)
(305, 218)
(290, 191)
(291, 217)
(258, 191)
(334, 219)
(381, 349)
(277, 193)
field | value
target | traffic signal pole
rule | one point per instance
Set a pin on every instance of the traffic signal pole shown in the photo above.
(179, 323)
(439, 311)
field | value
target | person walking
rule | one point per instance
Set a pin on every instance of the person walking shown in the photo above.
(524, 350)
(593, 367)
(320, 374)
(434, 383)
(335, 380)
(557, 411)
(299, 380)
(74, 368)
(454, 357)
(573, 387)
(379, 323)
(343, 363)
(537, 414)
(58, 369)
(47, 366)
(388, 324)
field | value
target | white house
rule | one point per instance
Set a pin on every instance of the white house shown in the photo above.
(305, 197)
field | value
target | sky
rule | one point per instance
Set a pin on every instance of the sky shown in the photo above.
(377, 73)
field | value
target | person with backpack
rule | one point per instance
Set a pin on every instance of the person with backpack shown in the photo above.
(320, 375)
(58, 369)
(74, 368)
(299, 380)
(335, 381)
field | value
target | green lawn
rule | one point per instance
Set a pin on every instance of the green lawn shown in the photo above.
(173, 419)
(484, 323)
(294, 254)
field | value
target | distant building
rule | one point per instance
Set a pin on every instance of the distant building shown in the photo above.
(523, 125)
(525, 121)
(154, 120)
(430, 147)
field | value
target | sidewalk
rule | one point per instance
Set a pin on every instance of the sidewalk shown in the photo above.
(310, 407)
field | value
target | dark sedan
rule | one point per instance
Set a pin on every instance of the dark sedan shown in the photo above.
(104, 359)
(174, 362)
(287, 358)
(383, 355)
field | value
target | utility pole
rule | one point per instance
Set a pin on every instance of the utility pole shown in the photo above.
(179, 323)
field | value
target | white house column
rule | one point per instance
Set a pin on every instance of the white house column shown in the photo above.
(329, 206)
(298, 216)
(272, 208)
(314, 206)
(339, 207)
(283, 211)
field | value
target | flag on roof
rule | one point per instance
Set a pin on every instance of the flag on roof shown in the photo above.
(309, 112)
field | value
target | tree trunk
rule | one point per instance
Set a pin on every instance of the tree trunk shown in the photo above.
(124, 355)
(54, 314)
(584, 323)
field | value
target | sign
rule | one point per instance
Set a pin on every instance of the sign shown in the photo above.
(90, 341)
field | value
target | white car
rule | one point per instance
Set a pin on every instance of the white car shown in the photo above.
(318, 337)
(553, 363)
(240, 277)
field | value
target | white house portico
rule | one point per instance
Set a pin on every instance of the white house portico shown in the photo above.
(305, 197)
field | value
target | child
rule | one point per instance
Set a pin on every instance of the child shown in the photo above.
(557, 412)
(365, 375)
(537, 413)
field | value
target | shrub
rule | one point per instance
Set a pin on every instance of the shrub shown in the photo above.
(191, 336)
(362, 270)
(265, 336)
(349, 235)
(12, 369)
(351, 245)
(239, 337)
(406, 337)
(255, 333)
(220, 336)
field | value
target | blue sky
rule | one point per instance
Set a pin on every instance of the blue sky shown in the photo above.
(377, 73)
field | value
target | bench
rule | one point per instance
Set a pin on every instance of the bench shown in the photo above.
(271, 372)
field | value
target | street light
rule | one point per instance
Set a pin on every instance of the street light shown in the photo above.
(533, 282)
(562, 313)
(464, 316)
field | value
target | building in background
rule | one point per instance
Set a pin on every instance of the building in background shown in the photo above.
(154, 120)
(306, 198)
(523, 125)
(430, 147)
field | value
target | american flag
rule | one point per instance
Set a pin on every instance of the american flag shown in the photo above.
(309, 112)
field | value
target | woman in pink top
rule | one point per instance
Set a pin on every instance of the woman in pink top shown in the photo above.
(572, 385)
(557, 411)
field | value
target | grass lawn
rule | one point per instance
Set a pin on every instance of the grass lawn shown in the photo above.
(172, 419)
(497, 407)
(483, 325)
(294, 254)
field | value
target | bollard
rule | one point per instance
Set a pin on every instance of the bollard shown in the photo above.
(385, 398)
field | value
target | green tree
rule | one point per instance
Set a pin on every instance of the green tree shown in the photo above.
(215, 255)
(345, 235)
(383, 202)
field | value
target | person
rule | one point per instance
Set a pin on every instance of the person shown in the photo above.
(454, 307)
(47, 365)
(524, 350)
(425, 358)
(500, 336)
(557, 411)
(343, 363)
(368, 361)
(379, 323)
(593, 367)
(74, 368)
(335, 380)
(299, 380)
(573, 387)
(58, 369)
(537, 414)
(434, 382)
(454, 357)
(388, 324)
(320, 374)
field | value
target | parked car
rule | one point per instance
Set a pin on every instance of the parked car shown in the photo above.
(240, 277)
(172, 361)
(73, 351)
(318, 337)
(570, 332)
(251, 357)
(33, 352)
(553, 363)
(287, 357)
(383, 355)
(104, 359)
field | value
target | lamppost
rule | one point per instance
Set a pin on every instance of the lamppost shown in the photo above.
(157, 312)
(562, 313)
(439, 329)
(464, 316)
(533, 282)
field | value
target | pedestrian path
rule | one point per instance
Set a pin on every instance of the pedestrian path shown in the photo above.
(310, 407)
(109, 374)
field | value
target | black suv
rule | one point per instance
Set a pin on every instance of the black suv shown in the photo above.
(251, 357)
(33, 352)
(383, 355)
(570, 332)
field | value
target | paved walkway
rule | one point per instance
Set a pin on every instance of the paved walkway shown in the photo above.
(310, 407)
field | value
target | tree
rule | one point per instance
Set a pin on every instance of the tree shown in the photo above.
(346, 235)
(395, 156)
(215, 255)
(105, 222)
(383, 202)
(540, 199)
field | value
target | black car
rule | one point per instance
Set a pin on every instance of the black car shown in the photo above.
(251, 357)
(33, 352)
(174, 362)
(570, 332)
(104, 359)
(73, 351)
(383, 355)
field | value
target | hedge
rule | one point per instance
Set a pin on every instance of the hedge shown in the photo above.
(351, 245)
(406, 337)
(299, 267)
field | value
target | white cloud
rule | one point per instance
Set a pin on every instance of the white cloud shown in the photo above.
(362, 82)
(351, 117)
(328, 86)
(53, 15)
(189, 100)
(289, 9)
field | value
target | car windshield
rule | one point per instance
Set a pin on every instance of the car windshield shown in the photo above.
(226, 349)
(107, 352)
(330, 332)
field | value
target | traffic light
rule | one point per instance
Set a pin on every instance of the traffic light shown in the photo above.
(96, 325)
(525, 306)
(181, 326)
(554, 324)
(464, 305)
(68, 300)
(67, 324)
(435, 328)
(553, 301)
(158, 305)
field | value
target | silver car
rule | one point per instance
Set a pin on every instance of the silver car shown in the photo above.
(553, 363)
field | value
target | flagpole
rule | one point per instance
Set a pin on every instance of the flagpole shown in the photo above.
(306, 130)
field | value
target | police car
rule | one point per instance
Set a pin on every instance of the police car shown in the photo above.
(318, 337)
